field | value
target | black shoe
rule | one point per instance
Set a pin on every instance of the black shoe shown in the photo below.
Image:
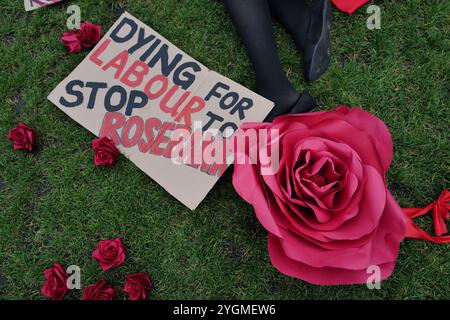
(305, 103)
(317, 49)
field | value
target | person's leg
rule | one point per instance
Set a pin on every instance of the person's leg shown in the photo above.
(253, 24)
(309, 25)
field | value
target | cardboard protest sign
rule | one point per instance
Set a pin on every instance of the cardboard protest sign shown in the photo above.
(139, 89)
(34, 4)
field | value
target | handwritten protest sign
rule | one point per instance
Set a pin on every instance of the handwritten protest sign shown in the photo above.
(138, 89)
(34, 4)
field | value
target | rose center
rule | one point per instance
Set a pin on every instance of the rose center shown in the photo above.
(319, 179)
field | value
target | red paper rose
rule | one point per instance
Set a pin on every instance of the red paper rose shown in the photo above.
(327, 209)
(89, 34)
(23, 137)
(109, 253)
(100, 291)
(71, 41)
(87, 37)
(106, 153)
(55, 286)
(138, 286)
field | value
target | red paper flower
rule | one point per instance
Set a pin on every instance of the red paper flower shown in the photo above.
(327, 209)
(109, 253)
(55, 286)
(23, 137)
(87, 37)
(89, 34)
(106, 153)
(99, 291)
(138, 286)
(71, 41)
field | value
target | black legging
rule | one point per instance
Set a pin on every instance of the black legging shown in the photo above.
(253, 23)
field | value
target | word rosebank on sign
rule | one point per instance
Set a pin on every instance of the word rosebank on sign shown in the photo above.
(138, 89)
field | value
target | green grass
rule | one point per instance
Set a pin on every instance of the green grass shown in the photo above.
(55, 205)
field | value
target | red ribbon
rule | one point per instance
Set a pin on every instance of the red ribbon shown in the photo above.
(440, 208)
(349, 6)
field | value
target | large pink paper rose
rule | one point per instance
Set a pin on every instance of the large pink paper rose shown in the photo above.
(327, 209)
